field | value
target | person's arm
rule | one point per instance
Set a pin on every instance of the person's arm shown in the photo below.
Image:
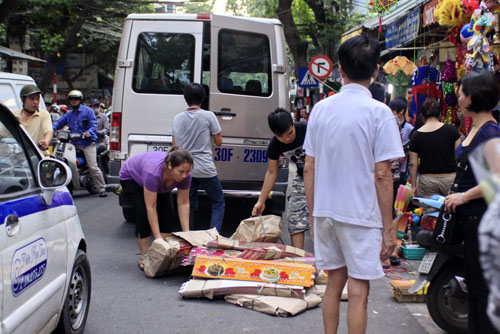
(45, 142)
(173, 141)
(150, 200)
(452, 201)
(61, 122)
(106, 124)
(269, 181)
(309, 190)
(217, 139)
(183, 208)
(413, 172)
(93, 125)
(384, 185)
(459, 140)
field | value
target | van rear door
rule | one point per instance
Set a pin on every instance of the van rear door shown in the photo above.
(246, 71)
(166, 55)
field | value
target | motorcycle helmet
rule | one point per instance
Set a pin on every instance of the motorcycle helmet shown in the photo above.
(94, 102)
(63, 108)
(29, 90)
(54, 108)
(75, 94)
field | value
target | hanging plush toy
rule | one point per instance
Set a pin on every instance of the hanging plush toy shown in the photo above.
(451, 13)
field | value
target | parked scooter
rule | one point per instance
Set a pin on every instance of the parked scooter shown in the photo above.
(443, 268)
(75, 159)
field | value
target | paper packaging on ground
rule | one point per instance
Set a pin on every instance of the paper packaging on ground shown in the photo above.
(190, 259)
(321, 277)
(401, 294)
(308, 260)
(254, 270)
(279, 306)
(200, 288)
(264, 250)
(164, 255)
(262, 228)
(198, 238)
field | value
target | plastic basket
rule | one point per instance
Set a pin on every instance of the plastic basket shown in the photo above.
(413, 253)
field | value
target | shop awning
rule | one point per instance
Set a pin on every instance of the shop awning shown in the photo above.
(18, 55)
(403, 8)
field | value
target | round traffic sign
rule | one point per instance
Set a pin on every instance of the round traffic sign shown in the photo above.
(320, 67)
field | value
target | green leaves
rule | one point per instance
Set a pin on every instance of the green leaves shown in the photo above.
(51, 43)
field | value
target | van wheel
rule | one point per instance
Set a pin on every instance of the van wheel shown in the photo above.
(129, 214)
(76, 305)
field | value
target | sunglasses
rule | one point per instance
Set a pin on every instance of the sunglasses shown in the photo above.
(74, 98)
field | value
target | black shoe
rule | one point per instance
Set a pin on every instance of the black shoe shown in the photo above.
(103, 194)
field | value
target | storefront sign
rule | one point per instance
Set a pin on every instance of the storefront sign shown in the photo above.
(403, 30)
(429, 12)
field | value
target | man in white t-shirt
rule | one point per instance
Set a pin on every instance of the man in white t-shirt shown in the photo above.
(350, 141)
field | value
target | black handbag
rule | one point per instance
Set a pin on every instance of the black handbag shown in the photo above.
(446, 231)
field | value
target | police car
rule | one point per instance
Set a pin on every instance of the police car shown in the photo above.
(46, 282)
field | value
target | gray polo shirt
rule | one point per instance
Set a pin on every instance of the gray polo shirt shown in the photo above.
(193, 130)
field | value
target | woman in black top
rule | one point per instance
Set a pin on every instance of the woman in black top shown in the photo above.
(434, 143)
(477, 96)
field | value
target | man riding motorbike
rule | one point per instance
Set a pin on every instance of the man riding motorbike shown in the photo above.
(81, 119)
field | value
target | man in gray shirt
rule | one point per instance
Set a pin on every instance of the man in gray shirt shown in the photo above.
(193, 130)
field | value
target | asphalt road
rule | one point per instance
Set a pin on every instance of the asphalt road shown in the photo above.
(125, 301)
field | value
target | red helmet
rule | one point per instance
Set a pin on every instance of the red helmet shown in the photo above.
(64, 108)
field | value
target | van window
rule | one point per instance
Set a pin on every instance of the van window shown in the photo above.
(7, 96)
(164, 63)
(244, 63)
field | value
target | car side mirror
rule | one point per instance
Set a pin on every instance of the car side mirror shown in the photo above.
(53, 174)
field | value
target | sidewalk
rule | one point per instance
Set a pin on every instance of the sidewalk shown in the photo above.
(385, 313)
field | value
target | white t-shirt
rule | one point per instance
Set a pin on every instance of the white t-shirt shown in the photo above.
(347, 134)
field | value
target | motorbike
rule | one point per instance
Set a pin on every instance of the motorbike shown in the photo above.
(102, 150)
(443, 269)
(75, 159)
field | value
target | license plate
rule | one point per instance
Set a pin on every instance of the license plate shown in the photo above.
(427, 261)
(160, 148)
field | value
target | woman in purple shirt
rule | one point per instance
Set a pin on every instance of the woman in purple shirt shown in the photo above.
(147, 179)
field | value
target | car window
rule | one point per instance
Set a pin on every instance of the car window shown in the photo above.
(8, 96)
(244, 64)
(16, 172)
(164, 63)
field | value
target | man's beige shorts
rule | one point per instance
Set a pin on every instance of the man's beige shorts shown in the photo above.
(338, 245)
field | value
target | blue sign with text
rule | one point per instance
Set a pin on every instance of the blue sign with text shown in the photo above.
(403, 30)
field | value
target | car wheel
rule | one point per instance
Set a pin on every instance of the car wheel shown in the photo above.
(76, 305)
(129, 214)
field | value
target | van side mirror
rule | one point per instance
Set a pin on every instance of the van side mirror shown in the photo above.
(53, 174)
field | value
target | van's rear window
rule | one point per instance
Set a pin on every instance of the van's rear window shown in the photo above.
(164, 63)
(244, 64)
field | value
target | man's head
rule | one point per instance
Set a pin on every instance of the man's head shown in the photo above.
(102, 107)
(194, 94)
(378, 92)
(75, 97)
(358, 58)
(398, 106)
(94, 104)
(281, 124)
(30, 95)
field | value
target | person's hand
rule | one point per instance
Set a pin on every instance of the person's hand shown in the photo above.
(43, 145)
(258, 209)
(452, 201)
(414, 191)
(86, 134)
(388, 243)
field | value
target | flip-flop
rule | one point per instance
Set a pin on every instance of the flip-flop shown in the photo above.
(395, 261)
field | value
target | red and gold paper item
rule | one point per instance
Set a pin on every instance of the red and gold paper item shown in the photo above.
(254, 270)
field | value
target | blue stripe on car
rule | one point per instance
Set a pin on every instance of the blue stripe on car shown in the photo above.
(33, 204)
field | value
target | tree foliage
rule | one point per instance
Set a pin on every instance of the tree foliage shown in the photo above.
(60, 27)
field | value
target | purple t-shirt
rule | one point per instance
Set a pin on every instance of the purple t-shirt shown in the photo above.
(147, 170)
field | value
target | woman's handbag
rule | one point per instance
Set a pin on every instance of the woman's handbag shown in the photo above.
(446, 230)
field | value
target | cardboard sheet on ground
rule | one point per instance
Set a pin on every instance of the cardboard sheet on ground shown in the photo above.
(262, 228)
(201, 288)
(254, 270)
(190, 259)
(260, 250)
(165, 255)
(279, 306)
(198, 238)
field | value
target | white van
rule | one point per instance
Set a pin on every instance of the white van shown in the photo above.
(240, 61)
(10, 87)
